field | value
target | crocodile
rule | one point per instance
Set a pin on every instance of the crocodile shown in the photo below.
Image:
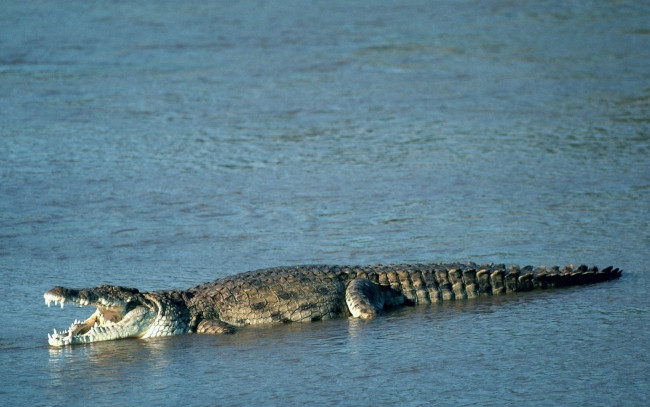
(297, 294)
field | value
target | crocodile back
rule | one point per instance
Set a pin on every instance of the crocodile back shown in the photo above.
(281, 294)
(315, 292)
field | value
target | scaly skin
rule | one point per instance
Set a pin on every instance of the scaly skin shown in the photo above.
(297, 294)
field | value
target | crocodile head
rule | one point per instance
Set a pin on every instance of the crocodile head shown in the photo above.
(122, 312)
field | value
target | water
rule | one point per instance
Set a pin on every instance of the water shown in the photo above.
(161, 145)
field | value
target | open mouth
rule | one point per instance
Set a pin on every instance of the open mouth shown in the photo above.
(103, 324)
(115, 317)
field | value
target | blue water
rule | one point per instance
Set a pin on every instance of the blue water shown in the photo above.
(161, 145)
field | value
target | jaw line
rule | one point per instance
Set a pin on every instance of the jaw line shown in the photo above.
(106, 323)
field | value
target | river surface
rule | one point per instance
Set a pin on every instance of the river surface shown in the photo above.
(162, 144)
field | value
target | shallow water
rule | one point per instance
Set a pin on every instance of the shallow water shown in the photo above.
(159, 146)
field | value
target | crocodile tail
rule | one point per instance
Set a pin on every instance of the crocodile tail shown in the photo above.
(426, 284)
(498, 279)
(569, 275)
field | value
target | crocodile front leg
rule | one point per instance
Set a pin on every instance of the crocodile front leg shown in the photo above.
(214, 327)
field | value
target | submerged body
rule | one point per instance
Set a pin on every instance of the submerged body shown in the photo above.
(297, 294)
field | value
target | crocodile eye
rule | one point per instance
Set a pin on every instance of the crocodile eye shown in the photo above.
(130, 306)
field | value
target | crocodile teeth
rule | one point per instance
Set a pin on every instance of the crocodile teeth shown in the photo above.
(49, 299)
